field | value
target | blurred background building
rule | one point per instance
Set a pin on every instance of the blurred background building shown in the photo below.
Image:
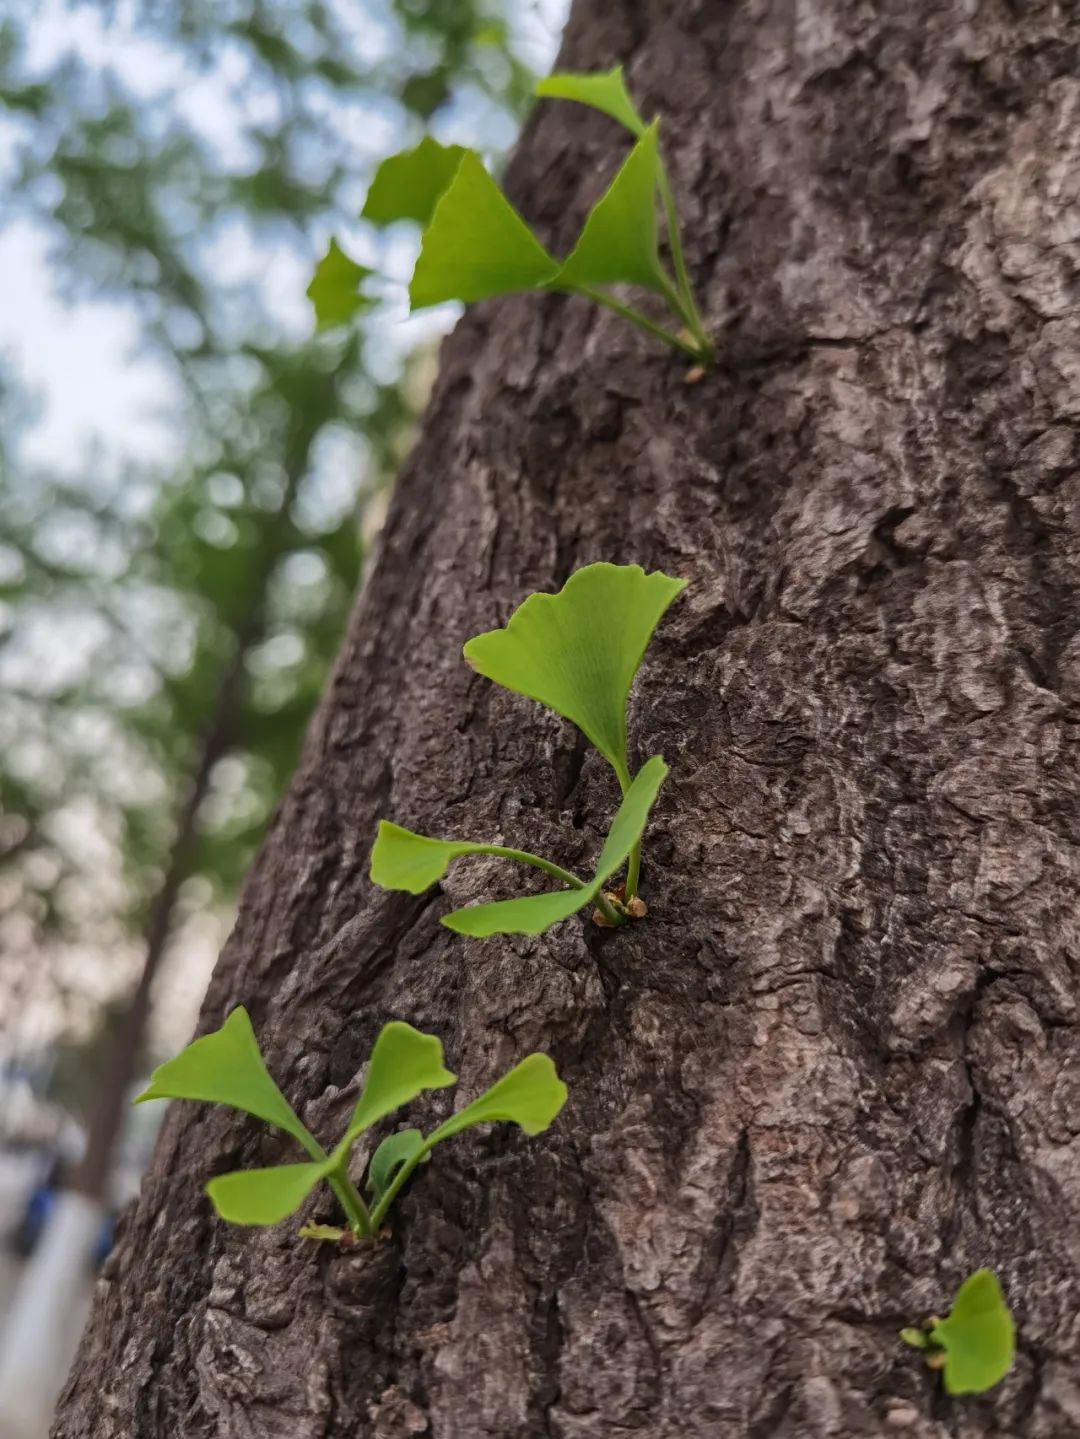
(190, 478)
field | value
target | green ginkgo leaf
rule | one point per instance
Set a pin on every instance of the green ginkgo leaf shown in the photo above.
(395, 1150)
(336, 289)
(401, 859)
(578, 651)
(225, 1067)
(408, 186)
(264, 1196)
(604, 90)
(536, 913)
(530, 1096)
(978, 1336)
(403, 1064)
(619, 244)
(476, 245)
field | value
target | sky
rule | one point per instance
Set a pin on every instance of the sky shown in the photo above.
(83, 362)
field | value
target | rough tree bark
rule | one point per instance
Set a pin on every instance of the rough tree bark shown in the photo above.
(839, 1065)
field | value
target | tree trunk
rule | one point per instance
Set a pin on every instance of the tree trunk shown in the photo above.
(838, 1066)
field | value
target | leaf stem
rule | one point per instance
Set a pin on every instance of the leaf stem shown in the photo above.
(633, 870)
(609, 302)
(348, 1196)
(688, 308)
(522, 856)
(608, 910)
(633, 867)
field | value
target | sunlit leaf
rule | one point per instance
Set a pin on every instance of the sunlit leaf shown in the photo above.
(530, 1096)
(978, 1336)
(477, 245)
(336, 289)
(578, 651)
(619, 244)
(408, 186)
(403, 1064)
(395, 1150)
(605, 90)
(535, 913)
(263, 1196)
(225, 1067)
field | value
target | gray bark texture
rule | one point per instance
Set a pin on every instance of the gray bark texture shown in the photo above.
(838, 1066)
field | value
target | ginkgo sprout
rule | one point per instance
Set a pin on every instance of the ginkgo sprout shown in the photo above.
(576, 652)
(226, 1068)
(476, 246)
(975, 1344)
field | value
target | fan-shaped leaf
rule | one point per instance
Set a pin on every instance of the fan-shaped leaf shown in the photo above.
(409, 185)
(978, 1336)
(619, 244)
(476, 245)
(336, 288)
(604, 90)
(530, 1096)
(401, 859)
(537, 912)
(578, 651)
(403, 1064)
(263, 1196)
(532, 914)
(225, 1067)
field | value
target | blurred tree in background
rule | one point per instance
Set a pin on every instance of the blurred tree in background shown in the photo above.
(166, 627)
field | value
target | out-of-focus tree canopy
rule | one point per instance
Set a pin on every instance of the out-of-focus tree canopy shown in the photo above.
(189, 160)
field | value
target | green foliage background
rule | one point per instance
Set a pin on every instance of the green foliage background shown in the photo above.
(129, 593)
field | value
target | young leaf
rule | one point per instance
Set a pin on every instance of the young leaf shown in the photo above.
(604, 91)
(403, 1064)
(395, 1150)
(333, 1232)
(530, 1096)
(225, 1067)
(476, 245)
(917, 1338)
(408, 186)
(538, 912)
(619, 242)
(336, 288)
(578, 651)
(978, 1336)
(263, 1196)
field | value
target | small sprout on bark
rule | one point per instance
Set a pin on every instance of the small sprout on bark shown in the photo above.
(476, 246)
(225, 1067)
(974, 1345)
(576, 652)
(413, 862)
